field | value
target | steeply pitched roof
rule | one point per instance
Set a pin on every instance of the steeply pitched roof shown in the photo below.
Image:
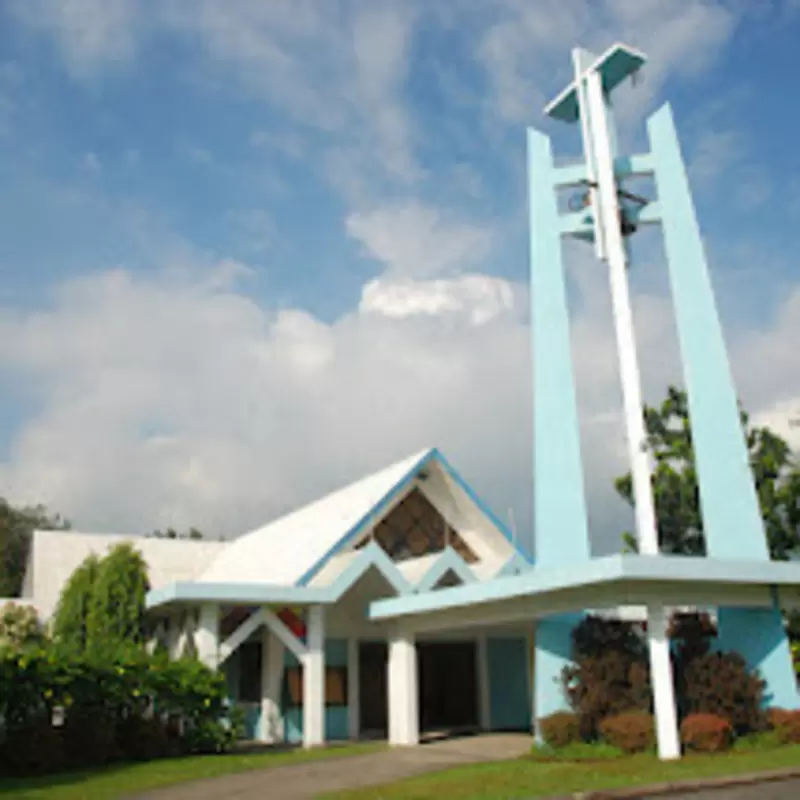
(288, 549)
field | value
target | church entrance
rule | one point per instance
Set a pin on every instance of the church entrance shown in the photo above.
(372, 678)
(448, 687)
(447, 682)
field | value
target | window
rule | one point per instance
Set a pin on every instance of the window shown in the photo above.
(415, 528)
(335, 686)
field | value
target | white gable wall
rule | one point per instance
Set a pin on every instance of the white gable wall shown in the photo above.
(56, 554)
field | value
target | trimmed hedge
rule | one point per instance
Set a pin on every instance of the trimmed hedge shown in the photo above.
(631, 731)
(706, 733)
(63, 710)
(560, 729)
(786, 724)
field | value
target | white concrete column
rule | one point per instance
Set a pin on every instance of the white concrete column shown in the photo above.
(206, 636)
(669, 745)
(353, 695)
(272, 654)
(614, 250)
(403, 695)
(484, 704)
(314, 679)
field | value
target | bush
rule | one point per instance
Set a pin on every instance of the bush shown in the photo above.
(721, 684)
(106, 705)
(786, 725)
(560, 729)
(751, 742)
(20, 626)
(89, 736)
(610, 673)
(33, 748)
(631, 732)
(142, 738)
(706, 733)
(714, 682)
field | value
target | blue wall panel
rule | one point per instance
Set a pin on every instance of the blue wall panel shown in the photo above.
(509, 695)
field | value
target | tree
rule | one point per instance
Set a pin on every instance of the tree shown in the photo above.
(16, 531)
(171, 533)
(70, 618)
(20, 626)
(677, 499)
(116, 614)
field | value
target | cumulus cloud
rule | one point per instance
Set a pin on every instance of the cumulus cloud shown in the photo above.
(414, 239)
(178, 400)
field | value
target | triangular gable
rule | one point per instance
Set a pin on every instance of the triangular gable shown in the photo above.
(371, 514)
(397, 491)
(449, 561)
(371, 557)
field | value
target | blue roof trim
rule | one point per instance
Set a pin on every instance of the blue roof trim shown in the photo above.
(483, 508)
(372, 556)
(685, 571)
(448, 561)
(365, 520)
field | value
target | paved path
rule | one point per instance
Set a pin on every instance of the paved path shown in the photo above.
(778, 790)
(303, 781)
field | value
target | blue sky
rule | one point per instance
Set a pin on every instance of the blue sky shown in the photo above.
(250, 250)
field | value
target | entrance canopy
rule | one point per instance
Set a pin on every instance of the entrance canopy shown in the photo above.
(601, 582)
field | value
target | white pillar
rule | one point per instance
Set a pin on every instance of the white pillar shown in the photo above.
(599, 145)
(206, 637)
(314, 680)
(403, 696)
(271, 683)
(484, 705)
(173, 635)
(669, 745)
(353, 696)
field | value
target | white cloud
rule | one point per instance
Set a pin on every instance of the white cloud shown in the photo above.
(481, 297)
(176, 399)
(91, 34)
(414, 239)
(529, 40)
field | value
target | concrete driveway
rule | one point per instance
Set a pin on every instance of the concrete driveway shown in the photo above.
(302, 781)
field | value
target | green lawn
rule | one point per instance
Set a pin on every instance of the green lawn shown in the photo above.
(126, 779)
(528, 777)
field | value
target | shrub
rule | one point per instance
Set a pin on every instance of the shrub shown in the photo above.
(706, 733)
(713, 682)
(764, 740)
(89, 736)
(721, 684)
(560, 729)
(20, 626)
(32, 748)
(631, 731)
(106, 704)
(786, 725)
(142, 738)
(610, 673)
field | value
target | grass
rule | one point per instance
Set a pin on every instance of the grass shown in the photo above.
(120, 780)
(535, 777)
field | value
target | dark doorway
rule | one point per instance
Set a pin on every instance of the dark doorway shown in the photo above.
(372, 680)
(448, 686)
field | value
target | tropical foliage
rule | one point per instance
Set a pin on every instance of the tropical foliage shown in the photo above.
(677, 498)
